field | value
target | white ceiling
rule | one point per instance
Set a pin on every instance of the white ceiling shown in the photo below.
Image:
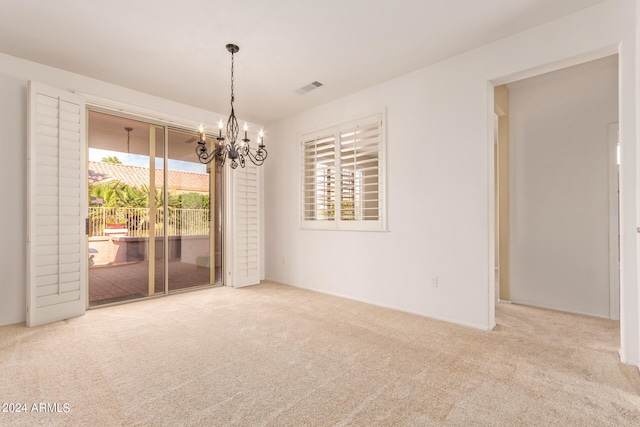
(176, 49)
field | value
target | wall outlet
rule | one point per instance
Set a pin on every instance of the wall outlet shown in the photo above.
(434, 282)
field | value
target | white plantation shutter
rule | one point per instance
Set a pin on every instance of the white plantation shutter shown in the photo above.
(360, 148)
(352, 199)
(56, 205)
(246, 230)
(319, 177)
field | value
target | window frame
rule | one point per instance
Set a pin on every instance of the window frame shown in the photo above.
(338, 221)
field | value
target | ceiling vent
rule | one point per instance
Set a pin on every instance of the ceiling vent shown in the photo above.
(308, 88)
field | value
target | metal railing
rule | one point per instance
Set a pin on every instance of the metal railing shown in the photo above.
(136, 221)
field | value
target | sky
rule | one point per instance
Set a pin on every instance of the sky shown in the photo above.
(96, 155)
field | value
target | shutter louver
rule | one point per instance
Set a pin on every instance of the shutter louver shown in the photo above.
(56, 288)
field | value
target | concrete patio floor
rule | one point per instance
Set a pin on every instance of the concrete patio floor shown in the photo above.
(121, 282)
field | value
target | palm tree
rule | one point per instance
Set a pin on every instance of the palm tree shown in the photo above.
(111, 159)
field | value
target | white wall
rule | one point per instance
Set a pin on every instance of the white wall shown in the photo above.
(629, 348)
(627, 329)
(559, 147)
(14, 75)
(440, 177)
(13, 176)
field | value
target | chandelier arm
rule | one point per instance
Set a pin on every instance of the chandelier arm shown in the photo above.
(206, 159)
(204, 156)
(259, 157)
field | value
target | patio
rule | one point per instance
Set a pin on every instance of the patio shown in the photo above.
(126, 281)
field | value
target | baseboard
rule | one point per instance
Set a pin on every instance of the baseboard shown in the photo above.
(417, 313)
(560, 309)
(13, 322)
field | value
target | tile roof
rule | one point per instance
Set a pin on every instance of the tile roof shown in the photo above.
(137, 176)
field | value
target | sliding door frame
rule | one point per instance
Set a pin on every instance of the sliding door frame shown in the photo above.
(99, 107)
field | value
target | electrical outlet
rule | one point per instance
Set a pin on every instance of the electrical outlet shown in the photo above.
(434, 282)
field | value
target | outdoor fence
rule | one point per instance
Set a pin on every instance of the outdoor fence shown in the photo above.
(136, 221)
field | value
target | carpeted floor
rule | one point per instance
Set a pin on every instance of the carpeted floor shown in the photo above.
(280, 356)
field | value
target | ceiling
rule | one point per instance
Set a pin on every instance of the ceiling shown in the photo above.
(108, 132)
(176, 49)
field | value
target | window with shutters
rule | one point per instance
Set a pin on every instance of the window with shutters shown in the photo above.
(343, 176)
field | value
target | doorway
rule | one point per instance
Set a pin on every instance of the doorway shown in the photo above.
(561, 218)
(155, 212)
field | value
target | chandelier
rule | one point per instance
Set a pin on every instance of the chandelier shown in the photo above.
(228, 145)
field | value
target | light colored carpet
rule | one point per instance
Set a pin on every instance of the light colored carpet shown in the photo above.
(281, 356)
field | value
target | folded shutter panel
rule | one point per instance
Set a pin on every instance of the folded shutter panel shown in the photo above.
(246, 226)
(57, 258)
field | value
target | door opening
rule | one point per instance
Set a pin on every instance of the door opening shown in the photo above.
(563, 190)
(154, 211)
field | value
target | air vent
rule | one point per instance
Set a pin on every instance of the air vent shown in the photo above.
(308, 88)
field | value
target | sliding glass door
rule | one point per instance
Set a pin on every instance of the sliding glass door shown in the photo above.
(152, 212)
(191, 210)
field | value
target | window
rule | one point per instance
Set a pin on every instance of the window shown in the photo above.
(342, 176)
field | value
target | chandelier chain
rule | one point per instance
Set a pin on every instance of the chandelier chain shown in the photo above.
(232, 94)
